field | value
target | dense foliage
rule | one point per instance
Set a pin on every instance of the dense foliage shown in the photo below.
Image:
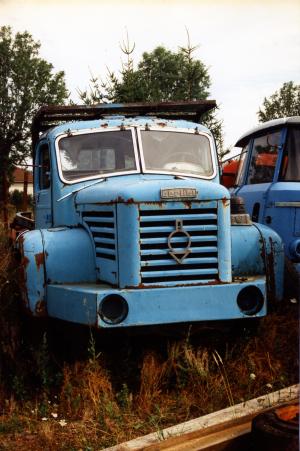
(283, 103)
(26, 82)
(161, 75)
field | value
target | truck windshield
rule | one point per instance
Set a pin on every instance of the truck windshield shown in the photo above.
(90, 154)
(177, 152)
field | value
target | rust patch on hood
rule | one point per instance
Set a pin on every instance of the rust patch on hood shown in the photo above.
(225, 201)
(40, 259)
(187, 203)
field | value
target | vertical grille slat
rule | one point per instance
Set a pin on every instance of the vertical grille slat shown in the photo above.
(200, 264)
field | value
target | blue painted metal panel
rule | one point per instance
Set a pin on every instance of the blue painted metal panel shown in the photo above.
(77, 304)
(146, 188)
(69, 255)
(282, 203)
(128, 245)
(224, 240)
(247, 251)
(153, 306)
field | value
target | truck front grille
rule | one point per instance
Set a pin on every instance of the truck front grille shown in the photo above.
(200, 226)
(102, 228)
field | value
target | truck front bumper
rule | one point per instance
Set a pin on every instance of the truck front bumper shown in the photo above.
(92, 304)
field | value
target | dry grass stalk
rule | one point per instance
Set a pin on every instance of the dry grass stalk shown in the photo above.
(152, 378)
(219, 362)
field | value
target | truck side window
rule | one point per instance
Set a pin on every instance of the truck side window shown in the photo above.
(44, 170)
(264, 157)
(290, 168)
(242, 166)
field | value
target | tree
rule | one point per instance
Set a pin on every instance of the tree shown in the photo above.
(26, 82)
(283, 103)
(161, 75)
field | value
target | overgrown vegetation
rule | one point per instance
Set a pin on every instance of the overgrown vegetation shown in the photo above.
(53, 396)
(16, 199)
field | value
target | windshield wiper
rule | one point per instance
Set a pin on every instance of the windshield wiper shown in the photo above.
(80, 189)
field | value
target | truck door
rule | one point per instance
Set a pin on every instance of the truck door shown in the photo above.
(260, 173)
(42, 186)
(283, 209)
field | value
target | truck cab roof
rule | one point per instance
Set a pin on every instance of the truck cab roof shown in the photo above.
(122, 121)
(80, 115)
(269, 125)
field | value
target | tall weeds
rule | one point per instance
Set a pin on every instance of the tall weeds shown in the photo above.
(130, 387)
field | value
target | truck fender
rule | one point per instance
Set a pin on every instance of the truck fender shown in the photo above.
(69, 256)
(258, 250)
(53, 256)
(246, 251)
(32, 272)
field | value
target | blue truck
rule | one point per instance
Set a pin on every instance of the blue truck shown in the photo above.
(268, 179)
(132, 226)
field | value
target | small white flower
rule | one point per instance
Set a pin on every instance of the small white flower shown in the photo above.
(63, 423)
(252, 376)
(293, 301)
(44, 419)
(269, 385)
(54, 415)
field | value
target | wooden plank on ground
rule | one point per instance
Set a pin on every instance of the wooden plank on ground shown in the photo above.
(211, 432)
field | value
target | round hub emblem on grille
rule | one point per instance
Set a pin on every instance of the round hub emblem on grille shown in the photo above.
(181, 253)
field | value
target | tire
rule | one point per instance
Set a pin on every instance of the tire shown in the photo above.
(277, 430)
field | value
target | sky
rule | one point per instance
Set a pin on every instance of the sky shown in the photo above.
(249, 47)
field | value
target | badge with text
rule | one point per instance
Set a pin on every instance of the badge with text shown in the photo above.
(178, 193)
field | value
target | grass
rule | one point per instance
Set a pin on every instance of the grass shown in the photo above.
(122, 387)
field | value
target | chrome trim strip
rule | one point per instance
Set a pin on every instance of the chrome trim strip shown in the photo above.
(287, 204)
